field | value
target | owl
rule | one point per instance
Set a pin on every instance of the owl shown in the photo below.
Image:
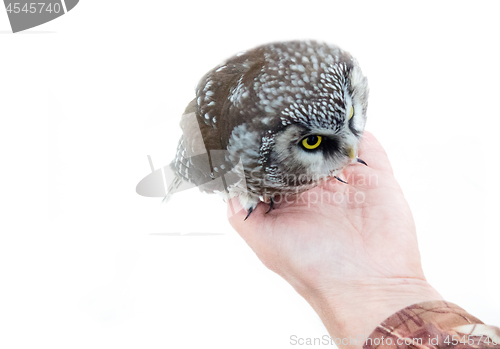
(273, 120)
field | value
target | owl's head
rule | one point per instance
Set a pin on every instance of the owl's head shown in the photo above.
(294, 112)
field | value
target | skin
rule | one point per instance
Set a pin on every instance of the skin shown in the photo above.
(353, 255)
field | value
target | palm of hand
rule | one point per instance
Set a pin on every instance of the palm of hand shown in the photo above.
(339, 236)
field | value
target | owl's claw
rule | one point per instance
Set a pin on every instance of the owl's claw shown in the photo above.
(250, 210)
(361, 161)
(271, 205)
(340, 180)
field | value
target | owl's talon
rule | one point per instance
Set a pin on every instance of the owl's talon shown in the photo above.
(271, 205)
(340, 180)
(361, 161)
(250, 210)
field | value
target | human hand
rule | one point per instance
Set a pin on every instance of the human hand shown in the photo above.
(349, 249)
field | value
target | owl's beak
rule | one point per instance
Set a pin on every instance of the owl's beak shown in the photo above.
(351, 153)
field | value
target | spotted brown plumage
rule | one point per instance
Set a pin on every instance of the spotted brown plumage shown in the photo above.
(243, 132)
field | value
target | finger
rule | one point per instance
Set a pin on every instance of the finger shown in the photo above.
(372, 152)
(246, 228)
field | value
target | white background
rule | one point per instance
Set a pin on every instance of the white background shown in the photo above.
(85, 262)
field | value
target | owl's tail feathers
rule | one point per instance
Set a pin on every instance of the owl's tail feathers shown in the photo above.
(163, 182)
(174, 182)
(173, 185)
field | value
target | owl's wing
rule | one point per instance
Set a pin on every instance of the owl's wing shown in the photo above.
(199, 161)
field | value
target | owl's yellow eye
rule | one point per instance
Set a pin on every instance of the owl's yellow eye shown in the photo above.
(311, 142)
(352, 113)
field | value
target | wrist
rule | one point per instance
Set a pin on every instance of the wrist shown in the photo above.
(357, 309)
